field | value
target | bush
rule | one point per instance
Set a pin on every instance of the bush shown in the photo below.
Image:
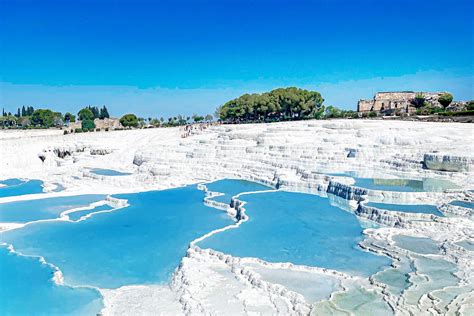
(445, 99)
(419, 100)
(106, 129)
(460, 113)
(470, 105)
(78, 130)
(65, 132)
(129, 120)
(372, 114)
(97, 129)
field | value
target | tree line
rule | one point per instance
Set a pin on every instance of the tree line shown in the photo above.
(28, 117)
(131, 120)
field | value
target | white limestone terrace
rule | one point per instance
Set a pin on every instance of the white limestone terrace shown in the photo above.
(292, 156)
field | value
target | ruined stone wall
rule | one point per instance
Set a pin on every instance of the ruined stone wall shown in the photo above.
(110, 123)
(400, 101)
(365, 105)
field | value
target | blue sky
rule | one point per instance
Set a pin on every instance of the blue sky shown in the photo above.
(161, 58)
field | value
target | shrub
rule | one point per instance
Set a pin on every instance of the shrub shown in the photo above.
(372, 114)
(78, 130)
(97, 129)
(106, 129)
(460, 113)
(470, 105)
(65, 132)
(419, 100)
(445, 99)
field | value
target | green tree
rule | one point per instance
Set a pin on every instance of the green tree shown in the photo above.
(279, 104)
(419, 100)
(8, 120)
(23, 111)
(129, 120)
(95, 111)
(43, 117)
(104, 113)
(68, 117)
(445, 99)
(197, 118)
(85, 114)
(155, 122)
(87, 124)
(29, 111)
(470, 105)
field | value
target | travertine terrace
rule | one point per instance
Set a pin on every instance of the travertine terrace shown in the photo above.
(293, 156)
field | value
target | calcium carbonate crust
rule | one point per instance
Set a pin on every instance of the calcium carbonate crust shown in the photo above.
(293, 156)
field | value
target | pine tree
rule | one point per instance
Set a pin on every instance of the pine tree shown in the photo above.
(94, 111)
(18, 114)
(3, 111)
(23, 111)
(104, 113)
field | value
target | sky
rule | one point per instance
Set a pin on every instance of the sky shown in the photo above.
(163, 58)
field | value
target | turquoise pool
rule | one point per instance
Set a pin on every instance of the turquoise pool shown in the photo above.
(14, 187)
(465, 204)
(408, 208)
(139, 244)
(405, 185)
(27, 288)
(232, 187)
(399, 184)
(109, 172)
(41, 209)
(301, 229)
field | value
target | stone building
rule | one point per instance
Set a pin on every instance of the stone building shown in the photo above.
(397, 102)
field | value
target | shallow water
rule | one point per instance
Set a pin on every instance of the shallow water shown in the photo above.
(421, 245)
(433, 274)
(231, 187)
(465, 204)
(466, 245)
(396, 279)
(298, 228)
(26, 288)
(313, 286)
(14, 187)
(405, 185)
(362, 302)
(109, 172)
(49, 208)
(139, 244)
(415, 208)
(59, 187)
(356, 301)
